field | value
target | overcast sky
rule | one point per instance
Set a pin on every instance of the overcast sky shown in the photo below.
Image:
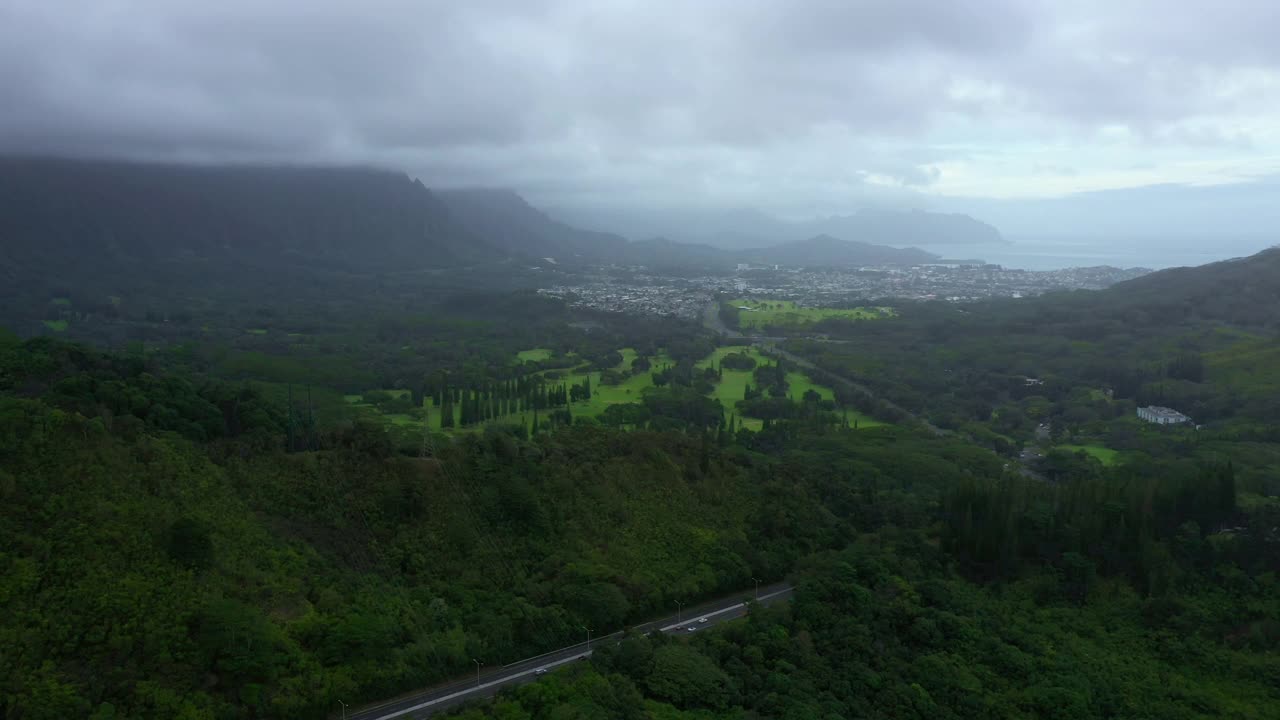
(793, 106)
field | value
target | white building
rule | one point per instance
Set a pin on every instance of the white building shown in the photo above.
(1162, 415)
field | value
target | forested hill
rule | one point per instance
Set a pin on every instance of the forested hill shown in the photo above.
(1202, 340)
(59, 216)
(505, 220)
(902, 228)
(162, 555)
(829, 251)
(1244, 292)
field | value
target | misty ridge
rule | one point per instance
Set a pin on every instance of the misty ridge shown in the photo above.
(96, 213)
(749, 229)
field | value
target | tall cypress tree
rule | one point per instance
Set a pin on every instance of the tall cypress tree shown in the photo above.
(1227, 490)
(289, 434)
(312, 443)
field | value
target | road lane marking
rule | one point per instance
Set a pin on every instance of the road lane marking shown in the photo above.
(477, 688)
(555, 663)
(722, 611)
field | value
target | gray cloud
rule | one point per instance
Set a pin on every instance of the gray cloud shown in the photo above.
(792, 106)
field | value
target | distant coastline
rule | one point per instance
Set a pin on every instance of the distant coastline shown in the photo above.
(1059, 254)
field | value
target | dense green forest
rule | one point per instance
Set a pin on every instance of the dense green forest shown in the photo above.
(165, 556)
(196, 524)
(884, 629)
(1070, 369)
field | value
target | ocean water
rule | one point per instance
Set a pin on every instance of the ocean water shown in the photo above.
(1056, 254)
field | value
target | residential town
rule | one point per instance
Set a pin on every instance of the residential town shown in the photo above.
(645, 291)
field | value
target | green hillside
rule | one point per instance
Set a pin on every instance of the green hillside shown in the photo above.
(165, 557)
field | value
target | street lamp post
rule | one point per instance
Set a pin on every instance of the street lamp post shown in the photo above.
(477, 662)
(344, 709)
(679, 612)
(584, 627)
(757, 588)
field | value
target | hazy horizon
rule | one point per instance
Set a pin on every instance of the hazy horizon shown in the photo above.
(1086, 120)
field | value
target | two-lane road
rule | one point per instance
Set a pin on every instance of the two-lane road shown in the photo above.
(422, 704)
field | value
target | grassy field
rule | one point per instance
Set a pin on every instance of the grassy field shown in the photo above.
(786, 312)
(729, 391)
(1105, 455)
(534, 355)
(627, 391)
(56, 325)
(734, 383)
(256, 331)
(733, 386)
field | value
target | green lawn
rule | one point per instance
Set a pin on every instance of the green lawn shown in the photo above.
(56, 325)
(728, 391)
(256, 331)
(787, 312)
(798, 384)
(733, 384)
(64, 302)
(534, 355)
(1105, 455)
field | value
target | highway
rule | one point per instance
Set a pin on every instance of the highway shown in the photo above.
(427, 702)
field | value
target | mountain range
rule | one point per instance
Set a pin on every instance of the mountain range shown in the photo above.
(830, 251)
(108, 214)
(91, 217)
(740, 229)
(505, 220)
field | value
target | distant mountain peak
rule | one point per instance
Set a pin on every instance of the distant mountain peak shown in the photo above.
(820, 239)
(742, 228)
(504, 219)
(828, 250)
(908, 227)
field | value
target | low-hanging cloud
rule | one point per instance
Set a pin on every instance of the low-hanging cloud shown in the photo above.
(775, 103)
